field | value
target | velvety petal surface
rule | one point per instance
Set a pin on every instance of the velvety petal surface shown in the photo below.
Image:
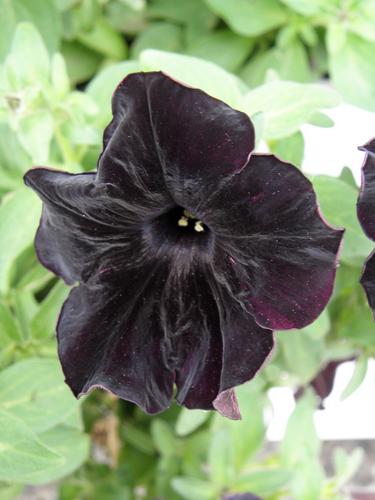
(368, 280)
(366, 200)
(224, 348)
(136, 334)
(282, 252)
(110, 337)
(166, 137)
(86, 227)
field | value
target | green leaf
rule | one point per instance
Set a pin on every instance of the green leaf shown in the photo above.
(9, 329)
(27, 273)
(101, 87)
(287, 105)
(82, 63)
(28, 61)
(351, 55)
(307, 7)
(103, 38)
(25, 306)
(220, 459)
(258, 123)
(301, 355)
(192, 488)
(163, 437)
(346, 463)
(71, 445)
(361, 19)
(194, 14)
(59, 76)
(347, 176)
(195, 72)
(43, 15)
(10, 491)
(321, 120)
(22, 454)
(301, 430)
(224, 48)
(190, 420)
(250, 17)
(19, 219)
(13, 158)
(34, 391)
(338, 203)
(356, 379)
(161, 36)
(319, 328)
(125, 19)
(138, 438)
(166, 469)
(354, 321)
(246, 434)
(135, 4)
(44, 321)
(290, 149)
(35, 134)
(263, 482)
(300, 450)
(290, 62)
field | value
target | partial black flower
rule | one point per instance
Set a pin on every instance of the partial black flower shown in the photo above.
(323, 382)
(366, 216)
(187, 248)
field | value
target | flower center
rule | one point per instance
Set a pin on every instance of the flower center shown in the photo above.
(188, 218)
(180, 228)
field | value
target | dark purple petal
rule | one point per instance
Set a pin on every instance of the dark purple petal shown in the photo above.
(110, 337)
(223, 348)
(166, 136)
(368, 280)
(323, 382)
(281, 249)
(62, 241)
(227, 405)
(134, 334)
(366, 200)
(86, 226)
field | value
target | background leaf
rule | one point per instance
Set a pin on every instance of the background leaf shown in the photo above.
(19, 219)
(22, 454)
(338, 203)
(33, 390)
(250, 17)
(287, 105)
(195, 72)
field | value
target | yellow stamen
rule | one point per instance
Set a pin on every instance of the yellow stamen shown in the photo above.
(188, 214)
(183, 222)
(199, 227)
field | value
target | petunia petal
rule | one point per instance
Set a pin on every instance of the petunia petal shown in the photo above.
(109, 336)
(227, 405)
(223, 348)
(281, 249)
(368, 280)
(366, 200)
(166, 136)
(61, 241)
(84, 224)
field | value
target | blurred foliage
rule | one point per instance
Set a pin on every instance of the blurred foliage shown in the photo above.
(60, 61)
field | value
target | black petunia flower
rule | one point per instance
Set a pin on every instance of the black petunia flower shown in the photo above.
(188, 250)
(366, 216)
